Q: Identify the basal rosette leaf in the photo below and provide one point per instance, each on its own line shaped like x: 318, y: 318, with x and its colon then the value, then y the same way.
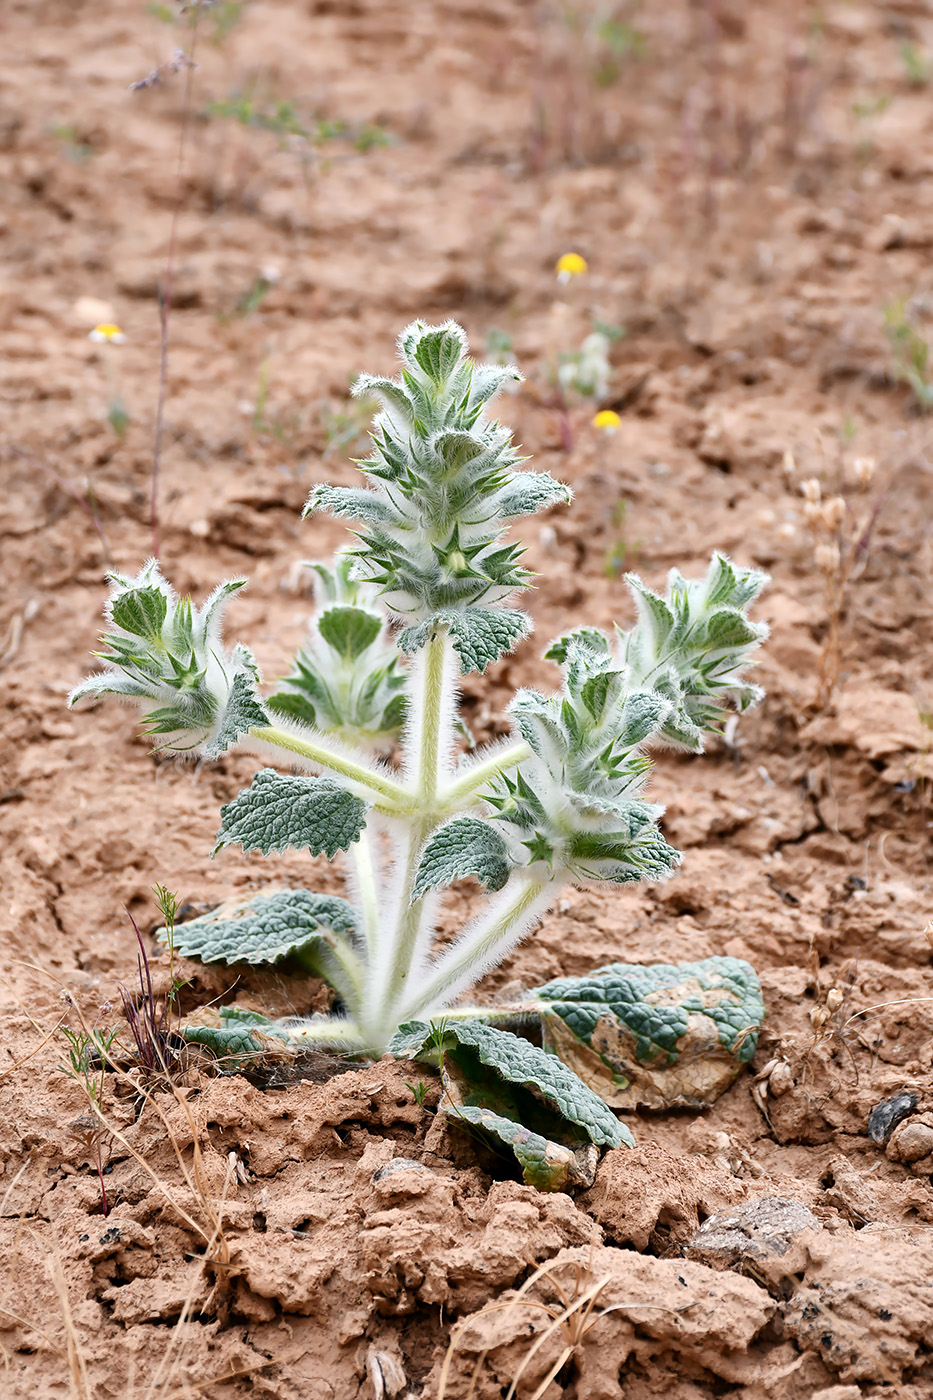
x: 517, y: 1096
x: 168, y: 655
x: 237, y: 1037
x: 511, y: 1064
x: 279, y: 811
x: 264, y: 928
x: 655, y: 1036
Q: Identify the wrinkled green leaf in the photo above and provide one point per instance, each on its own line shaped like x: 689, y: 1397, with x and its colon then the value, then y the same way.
x: 479, y: 635
x: 656, y: 1035
x: 141, y: 611
x: 508, y: 1060
x: 546, y: 1165
x: 465, y: 846
x: 262, y: 928
x: 236, y: 1040
x: 243, y: 709
x: 278, y: 811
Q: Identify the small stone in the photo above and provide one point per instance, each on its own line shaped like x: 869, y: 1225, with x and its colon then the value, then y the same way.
x: 912, y: 1141
x: 754, y: 1231
x: 886, y: 1115
x: 398, y: 1164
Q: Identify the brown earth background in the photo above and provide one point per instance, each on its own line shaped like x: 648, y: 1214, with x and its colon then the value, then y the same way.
x: 750, y: 184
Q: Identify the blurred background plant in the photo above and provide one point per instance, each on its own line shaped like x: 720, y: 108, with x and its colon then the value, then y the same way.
x: 910, y: 349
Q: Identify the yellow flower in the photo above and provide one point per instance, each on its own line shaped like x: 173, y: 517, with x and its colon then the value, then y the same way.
x: 570, y: 265
x: 607, y: 421
x: 108, y: 333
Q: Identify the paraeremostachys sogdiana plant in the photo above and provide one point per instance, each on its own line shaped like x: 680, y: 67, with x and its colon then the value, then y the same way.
x: 561, y: 802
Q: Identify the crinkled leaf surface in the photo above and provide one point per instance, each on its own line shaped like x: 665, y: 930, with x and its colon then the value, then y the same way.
x: 242, y: 711
x: 466, y: 846
x: 657, y: 1035
x: 547, y: 1165
x: 517, y: 1093
x: 478, y: 635
x: 279, y: 810
x: 235, y: 1039
x: 263, y: 928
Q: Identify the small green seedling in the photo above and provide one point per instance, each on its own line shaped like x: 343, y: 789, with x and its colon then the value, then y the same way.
x: 90, y: 1051
x: 425, y: 595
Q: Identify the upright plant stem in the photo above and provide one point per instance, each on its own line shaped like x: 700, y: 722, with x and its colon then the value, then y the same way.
x: 384, y: 790
x: 481, y: 945
x: 367, y: 890
x: 432, y: 741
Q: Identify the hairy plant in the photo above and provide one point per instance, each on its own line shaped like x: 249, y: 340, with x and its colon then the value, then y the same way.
x: 561, y: 802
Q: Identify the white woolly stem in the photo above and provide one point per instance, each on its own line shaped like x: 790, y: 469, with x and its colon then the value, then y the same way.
x: 363, y: 879
x: 328, y: 1033
x: 469, y: 783
x: 321, y: 751
x: 482, y: 945
x: 407, y: 928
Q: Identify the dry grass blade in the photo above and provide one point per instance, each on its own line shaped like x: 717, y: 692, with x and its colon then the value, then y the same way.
x: 575, y: 1317
x: 78, y: 1381
x: 24, y: 1059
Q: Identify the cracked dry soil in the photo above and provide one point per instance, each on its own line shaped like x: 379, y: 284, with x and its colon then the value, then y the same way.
x: 750, y: 188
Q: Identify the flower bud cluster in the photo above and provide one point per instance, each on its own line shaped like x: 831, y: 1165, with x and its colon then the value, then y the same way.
x: 162, y: 650
x: 443, y: 487
x: 349, y: 680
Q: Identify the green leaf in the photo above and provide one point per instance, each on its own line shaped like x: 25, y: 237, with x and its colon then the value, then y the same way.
x: 622, y: 857
x: 478, y: 635
x: 465, y: 846
x: 263, y: 928
x: 354, y: 502
x: 657, y: 1035
x: 529, y: 492
x: 350, y: 631
x: 239, y: 1037
x: 642, y: 713
x: 546, y: 1165
x: 589, y: 637
x: 243, y: 709
x: 652, y: 611
x: 436, y: 349
x: 728, y: 628
x: 141, y: 611
x: 488, y: 380
x: 293, y: 705
x: 727, y: 584
x: 497, y: 1059
x: 279, y: 811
